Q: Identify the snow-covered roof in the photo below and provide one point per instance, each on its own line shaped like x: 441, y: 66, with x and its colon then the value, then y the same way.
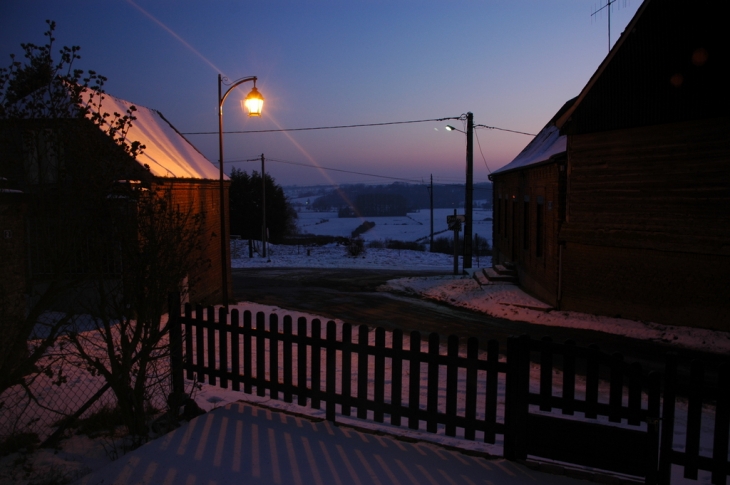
x: 168, y: 154
x: 547, y: 143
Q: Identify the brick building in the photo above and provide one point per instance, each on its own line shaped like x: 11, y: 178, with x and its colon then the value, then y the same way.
x: 645, y: 230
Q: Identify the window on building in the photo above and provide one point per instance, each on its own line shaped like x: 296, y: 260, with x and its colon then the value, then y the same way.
x: 497, y: 216
x: 526, y: 223
x: 41, y: 150
x: 539, y: 227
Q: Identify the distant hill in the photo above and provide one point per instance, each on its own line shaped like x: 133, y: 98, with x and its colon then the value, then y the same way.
x: 327, y: 198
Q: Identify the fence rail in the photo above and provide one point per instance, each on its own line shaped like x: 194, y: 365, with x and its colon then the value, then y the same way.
x: 610, y: 420
x: 346, y: 369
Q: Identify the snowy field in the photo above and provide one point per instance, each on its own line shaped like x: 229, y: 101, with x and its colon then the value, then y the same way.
x: 414, y: 227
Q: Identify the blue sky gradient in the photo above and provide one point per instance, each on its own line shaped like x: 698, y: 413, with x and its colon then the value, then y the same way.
x: 325, y: 62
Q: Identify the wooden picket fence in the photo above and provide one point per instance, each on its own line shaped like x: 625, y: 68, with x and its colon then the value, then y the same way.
x: 386, y: 377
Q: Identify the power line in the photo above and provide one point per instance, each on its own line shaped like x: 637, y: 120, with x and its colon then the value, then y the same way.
x: 306, y: 165
x: 331, y: 169
x: 480, y: 151
x: 504, y: 129
x: 324, y: 127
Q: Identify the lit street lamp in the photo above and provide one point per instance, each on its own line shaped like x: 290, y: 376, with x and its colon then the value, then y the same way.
x: 469, y: 201
x: 254, y: 103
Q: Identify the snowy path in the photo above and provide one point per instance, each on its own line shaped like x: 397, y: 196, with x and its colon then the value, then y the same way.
x: 241, y: 443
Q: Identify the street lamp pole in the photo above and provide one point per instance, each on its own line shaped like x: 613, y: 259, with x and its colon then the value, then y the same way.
x: 469, y: 199
x: 469, y: 202
x: 253, y: 102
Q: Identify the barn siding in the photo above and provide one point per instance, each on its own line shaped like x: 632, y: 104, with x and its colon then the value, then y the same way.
x: 670, y: 288
x: 513, y: 193
x: 203, y: 197
x: 648, y: 224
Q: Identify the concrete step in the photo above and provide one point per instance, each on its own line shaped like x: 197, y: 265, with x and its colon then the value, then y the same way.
x: 493, y: 276
x: 505, y: 270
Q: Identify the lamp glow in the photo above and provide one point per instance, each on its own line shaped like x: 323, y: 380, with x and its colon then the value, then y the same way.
x: 253, y: 103
x: 450, y: 128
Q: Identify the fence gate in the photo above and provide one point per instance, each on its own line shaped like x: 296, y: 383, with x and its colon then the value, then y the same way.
x: 553, y: 422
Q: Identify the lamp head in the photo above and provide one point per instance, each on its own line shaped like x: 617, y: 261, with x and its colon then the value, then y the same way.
x: 450, y: 128
x: 254, y: 102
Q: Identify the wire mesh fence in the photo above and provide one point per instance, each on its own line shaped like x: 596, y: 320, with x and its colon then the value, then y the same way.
x: 64, y: 388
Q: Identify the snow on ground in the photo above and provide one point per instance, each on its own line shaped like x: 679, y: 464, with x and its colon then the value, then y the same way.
x: 415, y: 226
x: 80, y: 454
x: 499, y: 300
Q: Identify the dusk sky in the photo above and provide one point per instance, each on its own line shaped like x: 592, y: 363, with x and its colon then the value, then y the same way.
x: 325, y: 63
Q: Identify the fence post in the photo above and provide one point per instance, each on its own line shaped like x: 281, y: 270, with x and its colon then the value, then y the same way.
x: 652, y: 423
x: 667, y: 431
x: 516, y: 404
x: 177, y: 396
x: 722, y: 421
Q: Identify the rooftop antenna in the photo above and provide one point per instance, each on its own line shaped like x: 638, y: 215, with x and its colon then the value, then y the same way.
x: 607, y: 6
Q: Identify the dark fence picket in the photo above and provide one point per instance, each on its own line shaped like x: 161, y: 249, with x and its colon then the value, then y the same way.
x: 189, y: 341
x: 273, y: 338
x: 260, y: 354
x: 452, y: 376
x: 346, y: 369
x: 546, y: 374
x: 316, y: 363
x: 235, y: 334
x: 615, y: 393
x: 223, y: 331
x: 720, y: 465
x: 247, y: 353
x: 286, y: 338
x: 396, y: 368
x: 414, y: 379
x: 379, y: 377
x: 362, y: 371
x: 569, y: 378
x: 176, y: 352
x: 432, y: 385
x: 592, y: 368
x: 634, y: 404
x: 668, y: 414
x: 472, y: 371
x: 199, y: 344
x: 331, y: 370
x: 694, y: 420
x: 210, y: 326
x: 302, y: 361
x: 492, y: 391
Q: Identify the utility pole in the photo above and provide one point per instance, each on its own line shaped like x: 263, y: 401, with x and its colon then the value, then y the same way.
x: 263, y: 208
x: 469, y: 202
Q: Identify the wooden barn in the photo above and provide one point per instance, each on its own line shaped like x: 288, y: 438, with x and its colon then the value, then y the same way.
x: 529, y: 207
x: 82, y: 159
x: 642, y: 227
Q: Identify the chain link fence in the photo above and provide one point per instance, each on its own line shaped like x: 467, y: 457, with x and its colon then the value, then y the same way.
x: 64, y: 388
